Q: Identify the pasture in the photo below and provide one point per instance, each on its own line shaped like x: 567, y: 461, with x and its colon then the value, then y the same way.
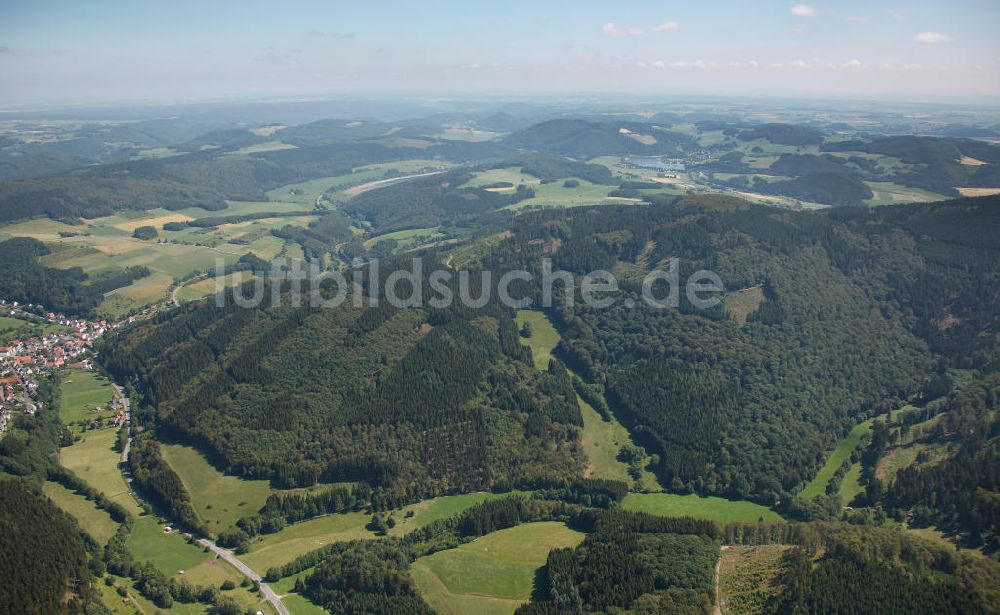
x: 170, y: 553
x: 544, y: 336
x: 699, y: 507
x: 82, y: 391
x: 305, y: 536
x: 94, y: 521
x: 428, y: 511
x: 817, y: 486
x: 492, y: 574
x: 139, y: 293
x: 93, y: 459
x: 556, y: 195
x: 218, y: 499
x: 601, y: 439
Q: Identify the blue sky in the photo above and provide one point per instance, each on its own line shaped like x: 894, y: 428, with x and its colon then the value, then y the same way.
x: 57, y: 51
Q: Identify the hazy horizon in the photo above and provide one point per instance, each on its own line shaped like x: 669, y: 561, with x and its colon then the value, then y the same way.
x: 58, y: 53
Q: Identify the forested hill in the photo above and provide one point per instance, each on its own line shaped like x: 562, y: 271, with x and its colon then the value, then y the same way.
x: 829, y: 318
x: 416, y: 402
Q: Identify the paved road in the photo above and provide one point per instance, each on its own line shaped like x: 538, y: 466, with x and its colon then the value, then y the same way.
x: 128, y: 413
x: 356, y: 190
x: 265, y: 589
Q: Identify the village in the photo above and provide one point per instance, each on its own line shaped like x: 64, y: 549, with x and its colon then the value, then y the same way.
x: 65, y: 342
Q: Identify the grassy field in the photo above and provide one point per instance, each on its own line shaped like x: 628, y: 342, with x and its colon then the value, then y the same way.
x: 82, y: 391
x: 300, y: 605
x: 92, y: 519
x: 93, y: 459
x: 850, y: 485
x: 18, y: 329
x: 817, y: 486
x: 300, y: 538
x: 601, y: 439
x: 692, y: 505
x: 555, y: 195
x: 219, y: 500
x: 493, y: 574
x: 428, y: 511
x: 886, y: 193
x: 142, y: 292
x: 170, y: 553
x: 407, y: 238
x: 544, y: 336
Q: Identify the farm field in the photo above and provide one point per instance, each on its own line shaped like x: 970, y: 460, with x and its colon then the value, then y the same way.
x: 408, y: 237
x: 693, y: 505
x: 140, y: 293
x: 92, y: 519
x: 218, y: 499
x: 83, y: 390
x: 93, y: 459
x: 493, y: 574
x: 505, y: 174
x: 300, y: 538
x: 817, y: 486
x: 555, y: 195
x: 887, y: 193
x: 205, y: 287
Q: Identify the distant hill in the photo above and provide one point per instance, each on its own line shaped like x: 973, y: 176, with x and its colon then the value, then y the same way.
x: 583, y: 139
x: 783, y: 134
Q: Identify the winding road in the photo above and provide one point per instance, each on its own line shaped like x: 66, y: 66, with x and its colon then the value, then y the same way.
x: 265, y: 589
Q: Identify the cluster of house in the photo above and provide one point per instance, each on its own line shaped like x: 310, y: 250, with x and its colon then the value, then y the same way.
x: 24, y: 361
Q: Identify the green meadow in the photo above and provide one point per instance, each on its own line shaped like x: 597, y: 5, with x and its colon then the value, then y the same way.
x: 169, y: 552
x: 494, y: 573
x: 94, y: 459
x: 699, y: 507
x: 428, y: 511
x: 92, y: 519
x: 601, y: 439
x: 218, y: 499
x: 82, y: 391
x: 305, y: 536
x: 817, y: 486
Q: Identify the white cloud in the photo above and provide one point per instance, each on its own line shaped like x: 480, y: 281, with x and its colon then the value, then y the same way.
x: 659, y: 64
x: 613, y: 29
x: 798, y: 64
x: 856, y: 19
x: 895, y: 14
x: 666, y: 26
x: 855, y: 63
x: 932, y: 38
x: 803, y: 10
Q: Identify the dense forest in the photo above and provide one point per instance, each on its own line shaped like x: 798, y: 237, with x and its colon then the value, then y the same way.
x: 41, y: 555
x: 416, y: 402
x: 71, y: 291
